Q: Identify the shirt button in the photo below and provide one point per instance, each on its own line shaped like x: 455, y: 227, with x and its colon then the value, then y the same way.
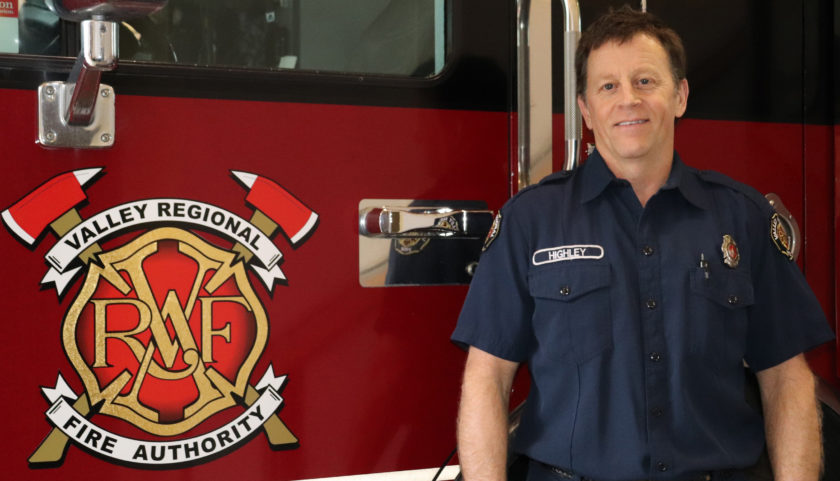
x: 647, y: 250
x: 651, y: 304
x: 657, y: 412
x: 662, y: 466
x: 733, y: 300
x: 655, y: 357
x: 565, y: 290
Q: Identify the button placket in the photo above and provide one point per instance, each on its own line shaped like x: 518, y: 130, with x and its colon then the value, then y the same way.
x: 653, y: 329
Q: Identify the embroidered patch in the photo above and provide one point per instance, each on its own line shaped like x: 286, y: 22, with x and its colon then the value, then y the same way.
x: 567, y: 253
x: 493, y: 232
x: 731, y: 256
x: 780, y: 232
x: 449, y: 223
x: 410, y: 245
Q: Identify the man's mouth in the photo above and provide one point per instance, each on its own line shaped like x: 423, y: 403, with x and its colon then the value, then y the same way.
x: 631, y: 122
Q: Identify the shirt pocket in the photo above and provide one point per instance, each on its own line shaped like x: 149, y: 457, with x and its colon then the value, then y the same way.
x: 571, y: 311
x: 719, y: 314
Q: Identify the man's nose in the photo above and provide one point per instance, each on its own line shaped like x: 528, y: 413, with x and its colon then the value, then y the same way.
x: 629, y: 96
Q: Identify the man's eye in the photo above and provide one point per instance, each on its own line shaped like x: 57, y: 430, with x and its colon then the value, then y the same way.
x: 644, y: 81
x: 608, y: 86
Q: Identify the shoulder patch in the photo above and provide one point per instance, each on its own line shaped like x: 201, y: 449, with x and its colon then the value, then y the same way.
x: 780, y: 233
x: 493, y: 232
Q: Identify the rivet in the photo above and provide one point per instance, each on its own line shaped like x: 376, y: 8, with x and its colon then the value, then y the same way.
x: 51, y: 136
x: 471, y: 268
x: 105, y: 92
x: 105, y: 138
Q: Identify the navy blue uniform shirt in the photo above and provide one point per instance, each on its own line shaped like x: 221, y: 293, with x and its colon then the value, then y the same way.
x: 634, y: 347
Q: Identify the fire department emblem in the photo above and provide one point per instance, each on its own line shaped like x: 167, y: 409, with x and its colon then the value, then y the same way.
x: 493, y: 232
x: 410, y: 245
x: 166, y: 329
x: 731, y: 256
x: 780, y: 233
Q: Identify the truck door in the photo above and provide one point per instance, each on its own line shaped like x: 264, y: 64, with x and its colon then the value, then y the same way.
x: 186, y: 288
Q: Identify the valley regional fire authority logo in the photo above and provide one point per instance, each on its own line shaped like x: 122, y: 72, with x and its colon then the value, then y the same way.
x: 166, y: 329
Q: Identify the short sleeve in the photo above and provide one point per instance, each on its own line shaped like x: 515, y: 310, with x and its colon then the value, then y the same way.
x: 787, y: 319
x: 496, y: 316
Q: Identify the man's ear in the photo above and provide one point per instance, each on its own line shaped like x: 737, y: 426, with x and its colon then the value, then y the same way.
x: 682, y: 97
x: 584, y: 110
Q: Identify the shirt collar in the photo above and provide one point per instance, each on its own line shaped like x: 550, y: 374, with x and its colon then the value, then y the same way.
x: 596, y: 176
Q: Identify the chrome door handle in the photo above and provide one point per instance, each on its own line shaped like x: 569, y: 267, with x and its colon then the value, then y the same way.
x: 419, y: 221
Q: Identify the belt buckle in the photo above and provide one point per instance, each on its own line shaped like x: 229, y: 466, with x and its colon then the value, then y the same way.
x: 561, y: 472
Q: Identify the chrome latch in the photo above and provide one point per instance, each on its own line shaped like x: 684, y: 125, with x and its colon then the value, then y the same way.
x: 79, y: 113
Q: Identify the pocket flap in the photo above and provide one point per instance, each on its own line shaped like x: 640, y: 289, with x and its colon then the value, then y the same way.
x: 729, y: 289
x: 568, y: 282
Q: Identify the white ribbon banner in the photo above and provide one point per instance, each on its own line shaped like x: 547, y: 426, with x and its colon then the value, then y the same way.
x: 164, y: 453
x: 161, y: 211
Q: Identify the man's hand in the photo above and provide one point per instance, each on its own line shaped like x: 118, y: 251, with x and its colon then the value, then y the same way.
x: 483, y: 416
x: 791, y: 420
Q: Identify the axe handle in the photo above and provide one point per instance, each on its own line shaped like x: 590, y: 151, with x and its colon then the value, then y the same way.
x: 265, y: 225
x: 65, y: 224
x: 53, y: 448
x: 278, y: 434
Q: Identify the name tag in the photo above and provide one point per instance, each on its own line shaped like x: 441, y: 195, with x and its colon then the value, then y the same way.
x: 567, y: 253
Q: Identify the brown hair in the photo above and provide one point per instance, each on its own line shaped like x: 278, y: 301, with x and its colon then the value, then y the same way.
x: 621, y: 26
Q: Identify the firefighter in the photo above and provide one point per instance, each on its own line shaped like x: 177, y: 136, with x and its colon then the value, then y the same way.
x: 636, y: 288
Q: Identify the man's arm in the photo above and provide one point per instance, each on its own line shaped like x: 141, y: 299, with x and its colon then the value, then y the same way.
x: 791, y: 420
x: 483, y: 416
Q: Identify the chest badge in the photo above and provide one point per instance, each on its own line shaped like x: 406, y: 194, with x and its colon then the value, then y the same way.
x: 731, y: 256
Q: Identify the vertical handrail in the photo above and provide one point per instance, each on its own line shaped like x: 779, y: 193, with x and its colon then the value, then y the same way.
x: 571, y: 112
x: 523, y: 92
x: 573, y: 133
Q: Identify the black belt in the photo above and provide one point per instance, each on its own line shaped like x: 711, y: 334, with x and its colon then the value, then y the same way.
x: 562, y: 473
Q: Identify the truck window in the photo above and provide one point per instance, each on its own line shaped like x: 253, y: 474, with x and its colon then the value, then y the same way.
x: 392, y: 37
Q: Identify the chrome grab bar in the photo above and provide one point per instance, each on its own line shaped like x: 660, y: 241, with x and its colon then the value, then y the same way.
x: 79, y: 113
x: 99, y: 46
x: 419, y: 221
x: 571, y: 112
x: 525, y: 89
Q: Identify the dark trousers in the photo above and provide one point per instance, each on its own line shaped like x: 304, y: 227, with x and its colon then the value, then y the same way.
x: 538, y: 471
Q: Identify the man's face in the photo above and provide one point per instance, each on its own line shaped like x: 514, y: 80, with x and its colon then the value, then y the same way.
x: 631, y: 100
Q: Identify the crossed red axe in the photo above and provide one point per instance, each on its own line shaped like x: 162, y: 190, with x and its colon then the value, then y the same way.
x: 53, y: 204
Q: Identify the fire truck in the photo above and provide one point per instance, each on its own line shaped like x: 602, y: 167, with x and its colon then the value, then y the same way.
x: 237, y: 234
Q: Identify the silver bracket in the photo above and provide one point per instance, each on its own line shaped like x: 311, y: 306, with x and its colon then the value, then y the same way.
x: 79, y: 113
x: 55, y: 131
